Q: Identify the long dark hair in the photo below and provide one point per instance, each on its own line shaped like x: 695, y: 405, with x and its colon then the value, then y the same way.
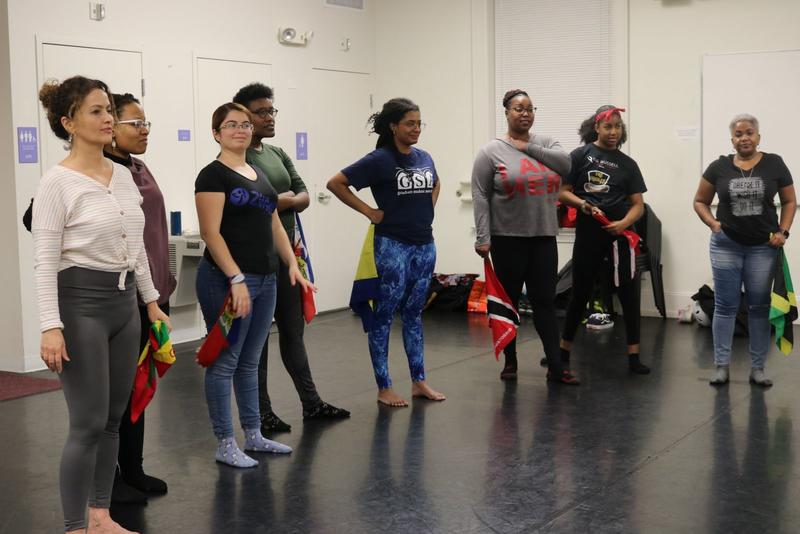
x: 392, y: 112
x: 588, y: 134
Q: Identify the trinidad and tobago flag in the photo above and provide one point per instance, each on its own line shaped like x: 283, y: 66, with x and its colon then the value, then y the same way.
x: 304, y: 263
x: 503, y: 316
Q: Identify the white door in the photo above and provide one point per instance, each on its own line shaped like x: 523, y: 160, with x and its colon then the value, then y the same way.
x: 120, y: 69
x: 216, y: 81
x: 341, y: 106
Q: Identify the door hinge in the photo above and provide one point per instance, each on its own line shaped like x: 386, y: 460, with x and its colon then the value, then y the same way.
x: 142, y: 87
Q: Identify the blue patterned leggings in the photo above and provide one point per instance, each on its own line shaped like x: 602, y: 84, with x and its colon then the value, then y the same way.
x: 405, y: 274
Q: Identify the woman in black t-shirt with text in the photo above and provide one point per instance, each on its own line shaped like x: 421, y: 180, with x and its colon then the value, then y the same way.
x: 236, y: 207
x: 603, y: 180
x: 745, y: 236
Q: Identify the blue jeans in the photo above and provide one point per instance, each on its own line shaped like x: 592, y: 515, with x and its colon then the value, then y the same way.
x: 405, y: 274
x: 238, y: 364
x: 733, y: 264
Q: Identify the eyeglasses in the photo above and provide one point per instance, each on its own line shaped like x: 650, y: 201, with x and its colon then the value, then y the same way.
x: 414, y: 124
x: 233, y: 125
x: 520, y: 111
x: 265, y: 112
x: 139, y: 124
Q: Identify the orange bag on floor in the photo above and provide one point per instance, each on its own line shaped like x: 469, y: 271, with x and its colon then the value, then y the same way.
x: 477, y: 297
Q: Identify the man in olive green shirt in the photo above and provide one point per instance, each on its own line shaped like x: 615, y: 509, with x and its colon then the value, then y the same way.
x: 292, y: 198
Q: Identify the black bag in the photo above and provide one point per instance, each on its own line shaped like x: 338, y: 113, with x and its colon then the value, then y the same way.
x: 27, y: 218
x: 705, y: 297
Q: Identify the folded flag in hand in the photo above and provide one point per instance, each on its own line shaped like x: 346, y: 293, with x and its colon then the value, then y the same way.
x: 366, y: 284
x: 156, y: 358
x: 222, y: 335
x: 503, y: 316
x: 783, y: 308
x: 304, y: 263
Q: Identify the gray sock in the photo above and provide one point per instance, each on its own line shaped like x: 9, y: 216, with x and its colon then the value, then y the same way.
x: 228, y: 452
x: 254, y: 441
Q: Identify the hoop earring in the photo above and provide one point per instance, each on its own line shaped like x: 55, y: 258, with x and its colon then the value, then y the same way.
x: 68, y: 144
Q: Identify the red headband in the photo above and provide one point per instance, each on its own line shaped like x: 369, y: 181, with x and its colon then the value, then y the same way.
x: 605, y: 115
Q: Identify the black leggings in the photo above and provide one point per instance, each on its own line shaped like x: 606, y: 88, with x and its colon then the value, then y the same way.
x: 534, y: 262
x: 592, y: 245
x: 101, y: 327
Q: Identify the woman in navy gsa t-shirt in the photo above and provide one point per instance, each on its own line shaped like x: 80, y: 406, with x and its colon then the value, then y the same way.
x: 405, y: 186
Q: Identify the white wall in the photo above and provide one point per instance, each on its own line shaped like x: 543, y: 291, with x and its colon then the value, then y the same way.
x: 168, y: 34
x: 10, y: 323
x: 439, y: 54
x: 667, y: 41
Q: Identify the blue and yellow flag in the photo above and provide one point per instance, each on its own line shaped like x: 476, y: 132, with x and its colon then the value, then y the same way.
x: 783, y: 308
x: 366, y: 284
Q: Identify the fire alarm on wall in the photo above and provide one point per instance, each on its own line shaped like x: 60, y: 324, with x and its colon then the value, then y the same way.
x: 290, y: 36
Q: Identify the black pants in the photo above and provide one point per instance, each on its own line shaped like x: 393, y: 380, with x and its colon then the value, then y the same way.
x: 534, y: 262
x: 290, y: 323
x: 592, y: 246
x: 131, y: 435
x: 100, y: 330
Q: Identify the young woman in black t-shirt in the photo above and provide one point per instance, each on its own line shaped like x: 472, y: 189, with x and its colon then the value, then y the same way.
x: 745, y: 236
x: 602, y: 180
x: 236, y: 207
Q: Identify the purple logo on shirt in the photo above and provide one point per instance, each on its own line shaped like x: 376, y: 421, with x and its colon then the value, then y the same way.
x: 239, y: 196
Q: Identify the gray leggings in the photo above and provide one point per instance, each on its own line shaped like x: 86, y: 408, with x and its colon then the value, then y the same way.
x: 101, y: 330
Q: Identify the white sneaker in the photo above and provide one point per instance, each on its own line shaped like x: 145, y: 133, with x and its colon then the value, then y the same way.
x: 599, y: 321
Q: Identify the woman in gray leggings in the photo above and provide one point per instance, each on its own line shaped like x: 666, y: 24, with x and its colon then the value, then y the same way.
x: 90, y: 260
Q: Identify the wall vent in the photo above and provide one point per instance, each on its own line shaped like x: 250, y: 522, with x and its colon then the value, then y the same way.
x: 351, y: 4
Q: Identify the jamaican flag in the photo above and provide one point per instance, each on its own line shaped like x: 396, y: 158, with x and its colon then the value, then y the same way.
x: 783, y: 309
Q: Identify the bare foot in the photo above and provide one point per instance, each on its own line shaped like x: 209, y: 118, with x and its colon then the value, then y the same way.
x: 100, y: 522
x: 388, y: 397
x: 422, y: 389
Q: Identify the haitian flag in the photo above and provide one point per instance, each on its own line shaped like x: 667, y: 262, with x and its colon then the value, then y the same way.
x: 503, y: 317
x: 783, y: 306
x: 304, y: 263
x: 222, y: 335
x: 156, y: 358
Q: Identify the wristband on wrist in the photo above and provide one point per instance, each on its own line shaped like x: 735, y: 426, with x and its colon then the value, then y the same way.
x: 236, y: 279
x: 784, y: 232
x: 583, y: 206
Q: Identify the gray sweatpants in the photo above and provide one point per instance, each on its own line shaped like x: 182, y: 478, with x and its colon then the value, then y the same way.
x: 101, y: 331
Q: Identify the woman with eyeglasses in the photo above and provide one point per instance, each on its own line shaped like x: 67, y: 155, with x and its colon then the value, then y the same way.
x: 292, y: 198
x: 603, y: 181
x: 131, y: 131
x: 90, y: 261
x: 746, y: 234
x: 515, y: 184
x: 405, y: 185
x: 236, y: 207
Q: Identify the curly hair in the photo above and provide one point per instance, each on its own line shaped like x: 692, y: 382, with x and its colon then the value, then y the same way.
x: 392, y: 112
x: 251, y: 92
x: 588, y: 134
x: 63, y: 99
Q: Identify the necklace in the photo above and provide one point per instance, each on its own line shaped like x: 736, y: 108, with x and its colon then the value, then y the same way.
x: 741, y: 171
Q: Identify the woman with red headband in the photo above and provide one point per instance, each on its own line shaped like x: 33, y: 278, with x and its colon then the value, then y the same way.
x: 603, y: 181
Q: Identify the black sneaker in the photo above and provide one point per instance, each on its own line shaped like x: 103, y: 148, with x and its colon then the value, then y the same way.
x: 122, y: 493
x: 273, y: 423
x: 323, y: 410
x: 147, y: 484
